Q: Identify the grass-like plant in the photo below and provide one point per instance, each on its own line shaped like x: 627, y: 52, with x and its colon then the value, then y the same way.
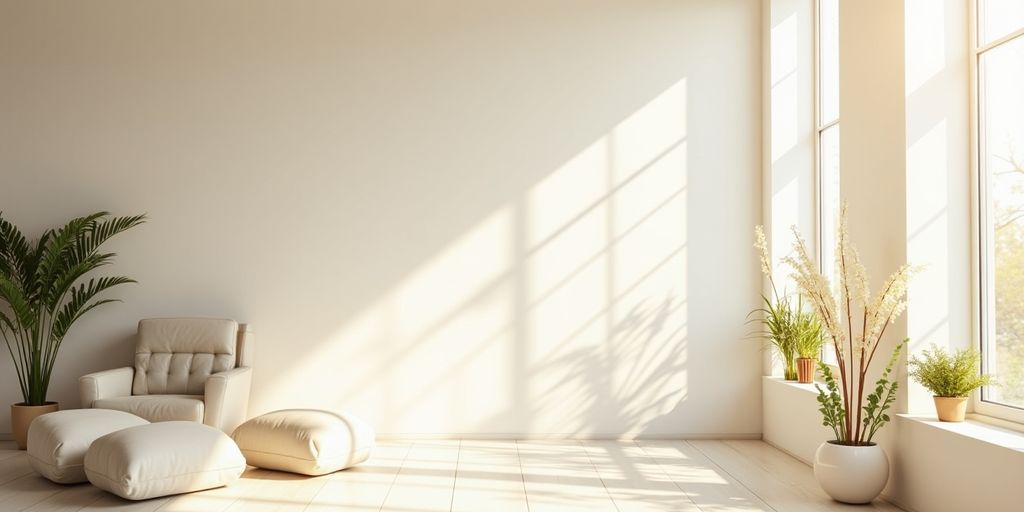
x: 948, y: 375
x: 807, y: 333
x: 39, y: 282
x: 777, y: 319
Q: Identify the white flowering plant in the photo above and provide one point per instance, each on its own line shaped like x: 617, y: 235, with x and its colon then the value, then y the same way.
x: 855, y: 323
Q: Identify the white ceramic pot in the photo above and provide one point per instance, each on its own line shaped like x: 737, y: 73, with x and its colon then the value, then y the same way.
x: 851, y: 474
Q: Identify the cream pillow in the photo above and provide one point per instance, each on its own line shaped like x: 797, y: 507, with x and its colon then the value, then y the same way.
x: 306, y: 441
x: 165, y: 458
x: 57, y: 441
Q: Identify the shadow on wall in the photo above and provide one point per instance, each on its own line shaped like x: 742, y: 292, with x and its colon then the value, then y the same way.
x: 563, y: 312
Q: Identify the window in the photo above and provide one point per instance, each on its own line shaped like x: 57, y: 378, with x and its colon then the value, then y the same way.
x: 999, y: 142
x: 827, y: 49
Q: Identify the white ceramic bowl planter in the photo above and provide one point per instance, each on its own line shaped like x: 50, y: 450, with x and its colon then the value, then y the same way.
x: 851, y: 474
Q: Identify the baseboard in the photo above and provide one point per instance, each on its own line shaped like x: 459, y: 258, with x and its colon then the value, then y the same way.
x: 477, y: 436
x: 787, y: 452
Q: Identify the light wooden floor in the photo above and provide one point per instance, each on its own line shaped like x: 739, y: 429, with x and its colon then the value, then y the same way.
x: 485, y: 476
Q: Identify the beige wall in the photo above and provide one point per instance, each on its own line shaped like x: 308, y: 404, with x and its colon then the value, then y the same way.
x: 485, y: 217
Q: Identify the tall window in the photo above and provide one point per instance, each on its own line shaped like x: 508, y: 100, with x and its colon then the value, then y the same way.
x: 827, y: 49
x: 999, y: 107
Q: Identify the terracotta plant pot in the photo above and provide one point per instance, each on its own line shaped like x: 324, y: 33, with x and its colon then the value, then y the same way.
x: 951, y: 408
x: 22, y: 416
x: 851, y: 474
x: 805, y: 367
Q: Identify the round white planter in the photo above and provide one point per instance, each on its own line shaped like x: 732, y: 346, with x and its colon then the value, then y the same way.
x: 851, y: 474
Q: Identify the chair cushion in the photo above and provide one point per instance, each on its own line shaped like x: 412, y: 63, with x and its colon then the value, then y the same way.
x: 157, y: 407
x: 163, y: 458
x: 57, y: 441
x: 306, y: 441
x: 176, y: 355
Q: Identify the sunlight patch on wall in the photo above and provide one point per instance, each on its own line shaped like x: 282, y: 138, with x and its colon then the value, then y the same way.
x: 611, y: 334
x: 925, y: 41
x: 563, y: 312
x: 785, y: 86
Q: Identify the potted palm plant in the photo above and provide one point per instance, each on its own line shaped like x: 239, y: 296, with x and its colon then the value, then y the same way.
x: 42, y: 284
x: 950, y: 378
x: 852, y: 468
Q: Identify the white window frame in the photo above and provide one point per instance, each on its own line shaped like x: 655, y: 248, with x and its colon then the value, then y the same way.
x: 819, y: 185
x: 982, y: 259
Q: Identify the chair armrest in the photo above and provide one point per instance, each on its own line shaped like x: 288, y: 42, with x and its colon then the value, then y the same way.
x: 105, y: 384
x: 227, y: 399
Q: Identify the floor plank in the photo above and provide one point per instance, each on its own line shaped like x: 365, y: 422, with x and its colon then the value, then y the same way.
x: 635, y: 481
x: 559, y: 476
x: 364, y: 487
x: 26, y: 491
x: 707, y: 485
x: 426, y: 480
x: 489, y: 477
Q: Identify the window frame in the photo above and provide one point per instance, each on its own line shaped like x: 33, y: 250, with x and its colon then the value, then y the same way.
x: 819, y: 186
x: 983, y: 260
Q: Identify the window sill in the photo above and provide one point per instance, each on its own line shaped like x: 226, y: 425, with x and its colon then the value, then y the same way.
x: 974, y: 428
x: 794, y: 384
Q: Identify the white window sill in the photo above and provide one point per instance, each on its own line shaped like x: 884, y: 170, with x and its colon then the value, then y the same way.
x: 974, y: 428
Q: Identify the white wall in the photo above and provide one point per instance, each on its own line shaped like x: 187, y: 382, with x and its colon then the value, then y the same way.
x: 525, y: 217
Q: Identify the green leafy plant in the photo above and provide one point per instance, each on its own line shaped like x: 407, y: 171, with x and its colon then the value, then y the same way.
x: 39, y: 282
x: 948, y: 375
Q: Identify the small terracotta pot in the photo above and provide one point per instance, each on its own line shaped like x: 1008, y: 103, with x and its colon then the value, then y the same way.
x: 951, y: 408
x: 22, y: 416
x: 805, y: 367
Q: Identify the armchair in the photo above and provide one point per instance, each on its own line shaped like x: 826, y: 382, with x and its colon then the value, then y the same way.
x: 192, y: 369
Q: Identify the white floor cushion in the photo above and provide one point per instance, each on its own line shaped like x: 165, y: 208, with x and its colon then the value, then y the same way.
x: 57, y: 441
x: 163, y: 458
x: 305, y: 441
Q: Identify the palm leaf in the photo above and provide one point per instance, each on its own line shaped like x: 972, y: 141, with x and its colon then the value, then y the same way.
x: 76, y: 305
x: 69, y: 275
x: 61, y: 245
x: 96, y: 233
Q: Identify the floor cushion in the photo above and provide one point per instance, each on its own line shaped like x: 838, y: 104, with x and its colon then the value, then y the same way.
x: 157, y: 407
x: 165, y: 458
x: 306, y: 441
x: 57, y: 441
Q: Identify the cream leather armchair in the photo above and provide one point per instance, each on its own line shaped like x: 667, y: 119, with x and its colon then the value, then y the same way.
x: 192, y: 369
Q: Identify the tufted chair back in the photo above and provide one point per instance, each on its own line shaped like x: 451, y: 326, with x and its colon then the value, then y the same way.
x: 177, y: 355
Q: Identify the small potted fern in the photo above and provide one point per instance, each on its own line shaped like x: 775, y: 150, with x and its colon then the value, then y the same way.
x: 950, y: 378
